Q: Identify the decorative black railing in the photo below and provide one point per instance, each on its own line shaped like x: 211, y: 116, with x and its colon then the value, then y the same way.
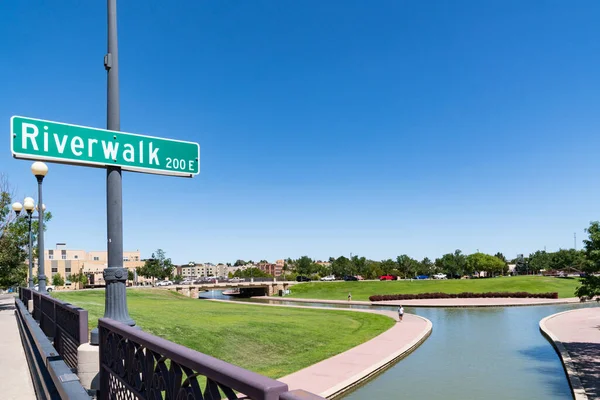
x: 65, y: 324
x: 24, y: 295
x: 137, y: 365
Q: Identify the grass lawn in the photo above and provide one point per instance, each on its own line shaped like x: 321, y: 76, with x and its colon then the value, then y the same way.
x: 273, y: 341
x: 362, y: 290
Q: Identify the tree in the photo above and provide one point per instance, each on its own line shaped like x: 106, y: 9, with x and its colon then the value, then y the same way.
x: 590, y: 284
x: 178, y: 278
x: 374, y: 270
x: 359, y: 266
x: 304, y: 265
x: 491, y: 265
x: 341, y: 267
x: 14, y: 238
x: 251, y: 273
x: 426, y: 267
x: 538, y: 261
x: 452, y: 264
x: 79, y: 278
x: 158, y: 266
x: 57, y: 280
x: 130, y: 275
x: 406, y: 265
x: 239, y: 263
x: 388, y: 267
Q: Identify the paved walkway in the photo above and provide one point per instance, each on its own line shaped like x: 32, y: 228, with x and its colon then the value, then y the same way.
x: 343, y: 371
x: 576, y: 336
x: 15, y: 381
x: 482, y: 302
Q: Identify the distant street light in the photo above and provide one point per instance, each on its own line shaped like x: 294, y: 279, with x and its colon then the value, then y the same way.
x: 39, y: 170
x: 28, y: 205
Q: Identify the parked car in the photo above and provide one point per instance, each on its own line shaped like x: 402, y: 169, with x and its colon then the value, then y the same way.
x: 440, y: 276
x: 301, y: 278
x: 387, y: 278
x: 328, y: 278
x: 187, y: 282
x: 350, y: 278
x: 164, y: 283
x: 423, y: 277
x: 49, y: 288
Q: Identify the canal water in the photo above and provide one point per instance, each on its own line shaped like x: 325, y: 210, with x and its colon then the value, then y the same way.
x: 472, y: 353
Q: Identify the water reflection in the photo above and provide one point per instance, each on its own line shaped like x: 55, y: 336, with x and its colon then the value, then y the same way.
x: 472, y: 353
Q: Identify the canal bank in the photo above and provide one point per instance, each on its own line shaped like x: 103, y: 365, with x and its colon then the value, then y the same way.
x: 487, y: 352
x: 575, y: 335
x: 337, y: 375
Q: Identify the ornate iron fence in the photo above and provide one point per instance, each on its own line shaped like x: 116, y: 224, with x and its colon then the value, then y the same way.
x: 137, y: 365
x: 65, y: 324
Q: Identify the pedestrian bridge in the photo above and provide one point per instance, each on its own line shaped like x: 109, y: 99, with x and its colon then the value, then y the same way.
x: 252, y: 288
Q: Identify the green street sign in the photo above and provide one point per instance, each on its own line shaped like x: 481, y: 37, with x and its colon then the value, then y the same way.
x: 36, y: 139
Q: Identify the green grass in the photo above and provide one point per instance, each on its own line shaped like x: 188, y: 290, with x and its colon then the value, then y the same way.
x: 273, y: 341
x: 362, y: 290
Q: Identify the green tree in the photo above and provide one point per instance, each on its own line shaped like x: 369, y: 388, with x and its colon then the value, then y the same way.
x: 359, y: 266
x: 79, y: 278
x: 57, y: 280
x: 304, y: 265
x: 538, y: 261
x: 426, y: 267
x: 491, y: 265
x: 388, y: 267
x: 341, y: 267
x: 158, y: 266
x: 239, y: 263
x: 590, y: 284
x: 130, y: 275
x: 406, y: 265
x: 374, y: 270
x: 452, y: 264
x: 251, y: 273
x: 14, y: 238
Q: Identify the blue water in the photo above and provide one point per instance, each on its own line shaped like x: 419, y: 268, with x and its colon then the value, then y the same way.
x: 472, y: 353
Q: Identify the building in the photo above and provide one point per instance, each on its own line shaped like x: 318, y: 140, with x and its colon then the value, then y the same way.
x: 271, y: 269
x: 205, y: 270
x: 66, y: 262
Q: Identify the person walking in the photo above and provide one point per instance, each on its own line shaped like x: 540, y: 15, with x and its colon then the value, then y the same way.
x: 400, y: 313
x: 349, y: 296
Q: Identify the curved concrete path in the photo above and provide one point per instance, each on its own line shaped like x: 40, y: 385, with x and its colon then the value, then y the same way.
x: 342, y: 372
x: 576, y: 337
x: 480, y: 302
x: 15, y: 383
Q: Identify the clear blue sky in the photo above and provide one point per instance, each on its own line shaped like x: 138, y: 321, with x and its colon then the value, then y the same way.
x: 326, y: 127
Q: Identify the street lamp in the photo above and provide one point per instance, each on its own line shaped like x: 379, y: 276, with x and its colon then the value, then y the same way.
x: 39, y: 170
x: 29, y: 205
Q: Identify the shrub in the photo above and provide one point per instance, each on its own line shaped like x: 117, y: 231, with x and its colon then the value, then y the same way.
x: 464, y: 295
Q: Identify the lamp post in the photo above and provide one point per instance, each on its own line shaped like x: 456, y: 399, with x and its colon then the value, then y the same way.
x: 39, y: 170
x: 28, y: 205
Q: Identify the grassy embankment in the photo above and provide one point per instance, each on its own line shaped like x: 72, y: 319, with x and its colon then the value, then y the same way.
x: 274, y: 341
x: 362, y: 290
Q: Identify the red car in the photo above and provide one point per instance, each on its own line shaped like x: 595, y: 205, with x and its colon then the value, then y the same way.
x: 387, y: 278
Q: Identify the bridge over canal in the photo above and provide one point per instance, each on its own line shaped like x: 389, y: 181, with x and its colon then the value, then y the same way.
x: 264, y: 288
